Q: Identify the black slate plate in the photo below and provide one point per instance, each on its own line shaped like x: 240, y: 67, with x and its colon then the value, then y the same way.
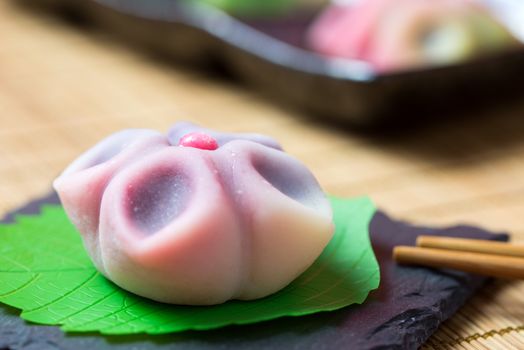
x: 268, y: 56
x: 407, y: 308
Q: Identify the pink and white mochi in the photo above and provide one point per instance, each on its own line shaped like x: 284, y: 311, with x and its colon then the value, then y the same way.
x: 193, y: 218
x: 404, y: 34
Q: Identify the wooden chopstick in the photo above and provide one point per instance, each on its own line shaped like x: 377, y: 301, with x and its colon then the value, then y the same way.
x: 471, y: 245
x: 488, y: 258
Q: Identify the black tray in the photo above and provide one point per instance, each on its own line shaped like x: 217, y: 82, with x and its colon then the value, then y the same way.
x: 268, y: 56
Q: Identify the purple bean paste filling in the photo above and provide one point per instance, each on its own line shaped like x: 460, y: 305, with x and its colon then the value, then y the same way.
x: 290, y: 181
x: 158, y: 200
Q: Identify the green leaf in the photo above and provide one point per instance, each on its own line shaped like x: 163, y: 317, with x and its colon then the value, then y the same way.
x: 45, y: 271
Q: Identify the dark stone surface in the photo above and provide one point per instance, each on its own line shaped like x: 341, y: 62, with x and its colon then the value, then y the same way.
x: 407, y: 308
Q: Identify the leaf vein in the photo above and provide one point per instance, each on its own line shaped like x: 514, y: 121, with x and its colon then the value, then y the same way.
x: 64, y: 319
x: 87, y: 280
x: 111, y: 314
x: 87, y: 268
x: 134, y: 318
x: 23, y: 286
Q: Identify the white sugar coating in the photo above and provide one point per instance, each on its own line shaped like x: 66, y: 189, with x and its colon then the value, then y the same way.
x: 108, y: 148
x: 159, y: 200
x: 188, y: 226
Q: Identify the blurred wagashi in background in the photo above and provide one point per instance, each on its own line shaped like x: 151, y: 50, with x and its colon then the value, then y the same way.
x: 403, y: 34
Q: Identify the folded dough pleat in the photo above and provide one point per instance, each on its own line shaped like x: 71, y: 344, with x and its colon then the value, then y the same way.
x: 285, y: 213
x: 166, y: 222
x: 81, y: 186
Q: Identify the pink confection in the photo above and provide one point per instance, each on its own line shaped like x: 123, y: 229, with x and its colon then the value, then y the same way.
x: 422, y: 32
x: 400, y: 34
x: 347, y: 30
x: 185, y: 225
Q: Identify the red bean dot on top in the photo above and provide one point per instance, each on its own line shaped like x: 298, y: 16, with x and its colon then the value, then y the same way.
x: 198, y: 140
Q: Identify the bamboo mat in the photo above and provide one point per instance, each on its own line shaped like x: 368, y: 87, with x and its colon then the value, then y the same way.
x: 62, y: 90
